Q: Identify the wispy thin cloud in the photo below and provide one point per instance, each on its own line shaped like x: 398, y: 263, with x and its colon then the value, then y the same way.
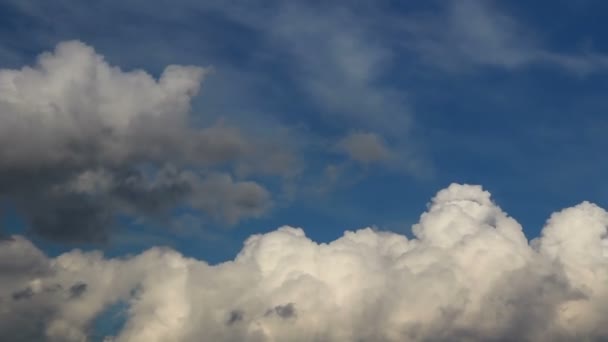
x: 475, y: 33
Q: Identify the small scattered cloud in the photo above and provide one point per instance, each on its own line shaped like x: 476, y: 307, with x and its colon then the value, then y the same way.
x: 364, y: 148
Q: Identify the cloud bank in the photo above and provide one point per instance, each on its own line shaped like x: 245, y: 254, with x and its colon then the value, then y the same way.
x: 469, y: 275
x: 82, y: 141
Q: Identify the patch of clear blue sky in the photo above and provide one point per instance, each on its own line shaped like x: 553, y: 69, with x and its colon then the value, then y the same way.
x: 534, y: 135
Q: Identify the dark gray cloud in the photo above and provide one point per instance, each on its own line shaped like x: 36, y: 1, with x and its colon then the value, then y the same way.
x: 235, y: 316
x: 285, y: 311
x: 78, y: 290
x: 23, y: 294
x: 82, y: 142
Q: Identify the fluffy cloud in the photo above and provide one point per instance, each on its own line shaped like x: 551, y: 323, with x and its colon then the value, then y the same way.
x: 74, y: 108
x: 469, y: 274
x: 81, y: 141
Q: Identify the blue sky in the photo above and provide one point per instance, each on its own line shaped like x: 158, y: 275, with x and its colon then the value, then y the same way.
x: 509, y: 95
x: 220, y: 128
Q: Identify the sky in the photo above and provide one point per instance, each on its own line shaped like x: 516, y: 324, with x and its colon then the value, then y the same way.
x: 303, y: 164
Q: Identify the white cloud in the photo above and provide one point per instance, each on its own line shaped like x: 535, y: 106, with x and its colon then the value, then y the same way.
x: 470, y: 274
x: 73, y: 108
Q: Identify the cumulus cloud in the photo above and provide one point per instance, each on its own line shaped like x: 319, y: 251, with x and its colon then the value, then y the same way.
x: 469, y: 274
x: 82, y: 140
